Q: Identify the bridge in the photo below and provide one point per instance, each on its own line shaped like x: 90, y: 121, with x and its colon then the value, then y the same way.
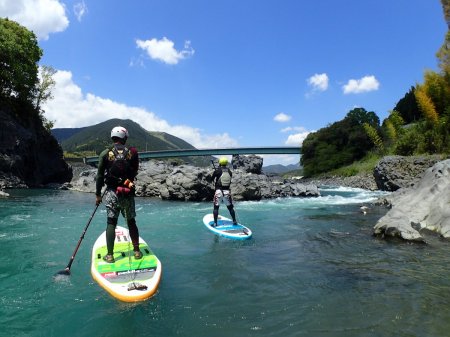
x: 146, y: 155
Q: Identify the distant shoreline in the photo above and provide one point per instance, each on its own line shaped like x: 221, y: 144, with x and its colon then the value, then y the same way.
x: 365, y: 181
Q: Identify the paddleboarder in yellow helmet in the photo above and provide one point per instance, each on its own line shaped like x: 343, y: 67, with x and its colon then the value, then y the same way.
x: 222, y: 194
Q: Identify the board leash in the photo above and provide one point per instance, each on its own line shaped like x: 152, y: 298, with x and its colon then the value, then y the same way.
x: 133, y: 285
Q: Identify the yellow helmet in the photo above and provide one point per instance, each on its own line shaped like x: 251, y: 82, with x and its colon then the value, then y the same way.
x: 223, y: 161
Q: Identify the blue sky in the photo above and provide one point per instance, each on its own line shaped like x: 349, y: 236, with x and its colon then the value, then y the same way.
x: 230, y: 73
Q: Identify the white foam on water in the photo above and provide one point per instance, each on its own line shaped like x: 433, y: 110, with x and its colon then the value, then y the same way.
x: 329, y: 196
x: 62, y: 278
x: 20, y: 217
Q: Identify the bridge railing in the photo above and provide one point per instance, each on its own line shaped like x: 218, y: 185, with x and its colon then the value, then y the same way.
x: 146, y: 155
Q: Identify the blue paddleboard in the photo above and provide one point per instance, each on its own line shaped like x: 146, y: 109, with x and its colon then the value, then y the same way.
x: 226, y: 228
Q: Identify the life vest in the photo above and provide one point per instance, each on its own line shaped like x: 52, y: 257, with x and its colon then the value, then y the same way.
x: 118, y: 165
x: 225, y: 179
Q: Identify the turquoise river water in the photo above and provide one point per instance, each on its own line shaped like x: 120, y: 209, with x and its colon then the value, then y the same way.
x: 311, y: 269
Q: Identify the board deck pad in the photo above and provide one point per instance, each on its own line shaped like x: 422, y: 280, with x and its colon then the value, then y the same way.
x: 127, y: 279
x: 226, y: 228
x: 124, y: 262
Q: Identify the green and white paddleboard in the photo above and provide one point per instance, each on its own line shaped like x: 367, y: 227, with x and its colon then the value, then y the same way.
x: 127, y: 279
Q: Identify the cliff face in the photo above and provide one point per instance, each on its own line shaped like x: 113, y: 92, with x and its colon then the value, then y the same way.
x: 29, y: 155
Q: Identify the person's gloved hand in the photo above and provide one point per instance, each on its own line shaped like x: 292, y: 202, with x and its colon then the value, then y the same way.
x: 128, y: 183
x: 98, y: 200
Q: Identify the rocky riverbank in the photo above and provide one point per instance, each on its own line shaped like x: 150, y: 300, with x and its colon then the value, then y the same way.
x: 420, y: 200
x: 422, y: 206
x: 170, y: 181
x: 390, y: 174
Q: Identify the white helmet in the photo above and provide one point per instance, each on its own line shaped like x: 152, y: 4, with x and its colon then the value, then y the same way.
x: 119, y: 132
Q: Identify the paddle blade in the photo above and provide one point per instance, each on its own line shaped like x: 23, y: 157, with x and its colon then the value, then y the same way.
x: 63, y: 272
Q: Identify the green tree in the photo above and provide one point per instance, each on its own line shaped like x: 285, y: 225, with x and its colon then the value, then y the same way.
x: 392, y: 128
x: 360, y: 116
x: 44, y: 93
x: 19, y: 55
x: 446, y: 8
x: 396, y: 119
x: 437, y: 89
x: 407, y: 107
x: 339, y: 144
x: 408, y: 143
x: 390, y: 131
x: 444, y: 52
x: 44, y: 86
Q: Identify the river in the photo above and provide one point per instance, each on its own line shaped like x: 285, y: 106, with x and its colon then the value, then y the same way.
x: 312, y: 268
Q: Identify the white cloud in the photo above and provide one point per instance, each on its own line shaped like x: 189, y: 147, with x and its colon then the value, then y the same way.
x: 319, y: 82
x: 71, y: 108
x: 43, y: 17
x: 296, y: 139
x: 80, y: 9
x: 365, y: 84
x: 164, y: 50
x: 294, y: 128
x: 282, y: 118
x: 292, y: 140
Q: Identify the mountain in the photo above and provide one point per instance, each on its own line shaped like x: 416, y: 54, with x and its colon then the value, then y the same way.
x: 98, y: 137
x: 64, y: 133
x: 279, y: 169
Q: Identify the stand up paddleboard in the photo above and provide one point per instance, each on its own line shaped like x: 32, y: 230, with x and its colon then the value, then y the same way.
x: 127, y: 279
x: 226, y: 228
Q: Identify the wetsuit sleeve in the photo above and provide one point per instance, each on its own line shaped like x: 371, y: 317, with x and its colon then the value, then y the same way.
x: 100, y: 178
x: 134, y: 162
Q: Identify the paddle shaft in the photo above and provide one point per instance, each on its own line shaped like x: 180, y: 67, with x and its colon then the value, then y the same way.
x: 82, y: 236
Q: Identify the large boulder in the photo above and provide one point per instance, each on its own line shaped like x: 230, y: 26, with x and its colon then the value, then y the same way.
x: 83, y: 179
x: 248, y: 186
x: 394, y: 172
x: 425, y: 205
x: 249, y: 164
x: 187, y: 183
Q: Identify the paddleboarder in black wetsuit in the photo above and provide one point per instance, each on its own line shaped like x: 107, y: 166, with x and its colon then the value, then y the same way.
x: 222, y: 182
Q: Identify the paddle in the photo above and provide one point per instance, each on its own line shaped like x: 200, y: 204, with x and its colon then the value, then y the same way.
x: 67, y: 270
